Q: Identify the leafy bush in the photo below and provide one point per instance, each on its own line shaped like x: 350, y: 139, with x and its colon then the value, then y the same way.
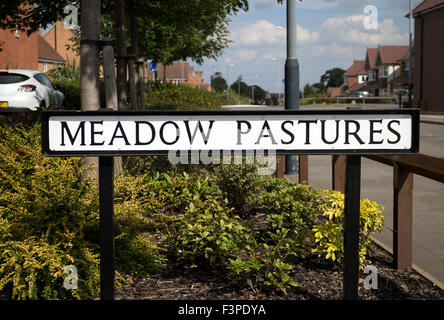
x: 71, y: 90
x: 49, y: 219
x: 290, y: 208
x: 69, y: 70
x: 241, y: 185
x: 46, y: 211
x: 135, y: 254
x: 265, y: 264
x: 206, y: 231
x: 329, y: 236
x: 169, y: 96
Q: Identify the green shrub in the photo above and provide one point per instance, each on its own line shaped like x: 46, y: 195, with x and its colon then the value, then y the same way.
x: 206, y: 232
x: 329, y: 235
x: 46, y: 213
x: 135, y: 254
x: 264, y: 264
x: 241, y: 185
x: 290, y: 206
x: 169, y: 96
x: 71, y: 90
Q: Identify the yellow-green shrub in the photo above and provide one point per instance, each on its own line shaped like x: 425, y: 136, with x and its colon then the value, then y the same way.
x: 329, y: 235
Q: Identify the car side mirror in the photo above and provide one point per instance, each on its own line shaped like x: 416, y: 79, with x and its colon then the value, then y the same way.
x: 59, y: 86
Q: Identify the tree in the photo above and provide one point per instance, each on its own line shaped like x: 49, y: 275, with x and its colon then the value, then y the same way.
x: 31, y: 15
x: 240, y: 87
x: 219, y: 84
x: 257, y: 93
x: 309, y: 91
x: 333, y: 78
x: 179, y: 29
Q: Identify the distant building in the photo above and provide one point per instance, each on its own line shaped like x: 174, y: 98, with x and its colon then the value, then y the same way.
x: 48, y: 58
x: 18, y: 50
x: 180, y: 73
x: 63, y: 39
x: 428, y: 68
x: 355, y: 78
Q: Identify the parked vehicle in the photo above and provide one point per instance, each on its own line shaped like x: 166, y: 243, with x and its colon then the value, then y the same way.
x: 404, y: 93
x: 28, y: 89
x: 360, y: 94
x: 341, y: 95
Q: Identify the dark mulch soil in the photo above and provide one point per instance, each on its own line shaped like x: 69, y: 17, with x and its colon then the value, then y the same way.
x: 317, y: 280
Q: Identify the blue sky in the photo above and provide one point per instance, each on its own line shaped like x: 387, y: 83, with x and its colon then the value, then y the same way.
x: 331, y: 34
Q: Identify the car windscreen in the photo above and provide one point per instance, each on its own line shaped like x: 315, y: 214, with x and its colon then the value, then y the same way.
x: 8, y: 78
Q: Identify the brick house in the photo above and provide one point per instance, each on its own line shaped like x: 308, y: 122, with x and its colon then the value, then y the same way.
x: 181, y: 73
x: 428, y: 69
x: 355, y: 78
x: 374, y: 83
x: 400, y: 77
x: 62, y: 40
x: 18, y: 50
x: 48, y: 58
x: 387, y: 62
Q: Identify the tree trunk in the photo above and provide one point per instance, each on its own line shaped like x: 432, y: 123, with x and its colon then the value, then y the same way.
x: 121, y: 52
x: 89, y: 67
x: 132, y: 83
x: 134, y: 34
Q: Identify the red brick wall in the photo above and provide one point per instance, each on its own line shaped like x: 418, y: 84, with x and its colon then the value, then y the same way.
x: 59, y: 37
x: 18, y: 52
x: 428, y: 71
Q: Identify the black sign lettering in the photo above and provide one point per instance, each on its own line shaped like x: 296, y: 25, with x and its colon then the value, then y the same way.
x: 80, y: 129
x: 239, y: 130
x: 348, y: 133
x: 266, y: 126
x: 93, y: 133
x: 287, y: 132
x: 324, y: 139
x: 307, y: 128
x: 153, y: 133
x: 162, y: 128
x: 205, y: 136
x: 373, y: 131
x: 121, y: 136
x: 396, y: 133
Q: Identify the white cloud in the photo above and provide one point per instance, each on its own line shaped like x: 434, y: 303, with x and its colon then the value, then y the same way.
x: 350, y: 31
x: 262, y: 33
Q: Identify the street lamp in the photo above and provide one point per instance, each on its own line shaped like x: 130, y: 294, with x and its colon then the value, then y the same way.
x: 279, y: 69
x: 291, y: 75
x: 228, y: 89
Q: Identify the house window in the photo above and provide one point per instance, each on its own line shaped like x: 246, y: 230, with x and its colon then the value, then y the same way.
x: 383, y: 71
x: 372, y: 75
x: 45, y: 66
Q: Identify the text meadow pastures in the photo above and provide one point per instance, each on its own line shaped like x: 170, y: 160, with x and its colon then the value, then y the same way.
x: 343, y: 131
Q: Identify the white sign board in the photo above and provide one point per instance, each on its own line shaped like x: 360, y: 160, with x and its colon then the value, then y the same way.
x: 118, y: 133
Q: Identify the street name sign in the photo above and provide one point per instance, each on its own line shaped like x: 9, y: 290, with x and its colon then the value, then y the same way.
x: 109, y: 133
x: 106, y: 133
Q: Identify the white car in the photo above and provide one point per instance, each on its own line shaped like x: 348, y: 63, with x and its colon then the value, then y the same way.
x: 28, y: 89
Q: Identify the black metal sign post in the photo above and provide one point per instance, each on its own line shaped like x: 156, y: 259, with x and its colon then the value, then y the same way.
x: 110, y: 133
x: 106, y: 187
x: 351, y: 226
